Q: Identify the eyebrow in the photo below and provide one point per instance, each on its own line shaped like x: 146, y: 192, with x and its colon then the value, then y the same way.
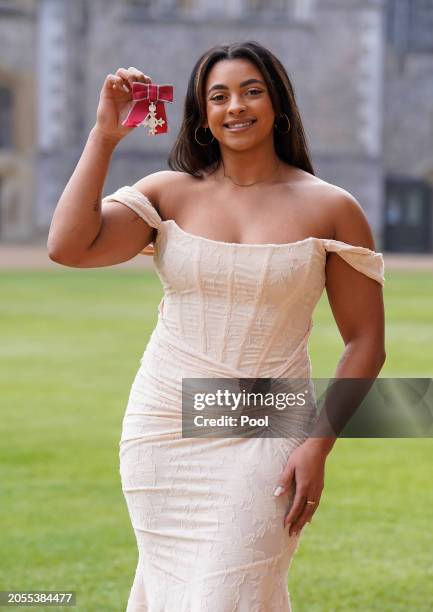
x: 243, y: 84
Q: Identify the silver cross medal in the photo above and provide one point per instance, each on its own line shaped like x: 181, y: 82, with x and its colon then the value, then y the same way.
x: 151, y: 121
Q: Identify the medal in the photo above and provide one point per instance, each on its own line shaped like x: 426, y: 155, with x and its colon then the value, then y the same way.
x: 148, y: 107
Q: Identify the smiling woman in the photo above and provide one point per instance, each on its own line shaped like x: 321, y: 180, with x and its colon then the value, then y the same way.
x: 219, y: 97
x: 241, y: 282
x: 238, y: 107
x: 246, y: 238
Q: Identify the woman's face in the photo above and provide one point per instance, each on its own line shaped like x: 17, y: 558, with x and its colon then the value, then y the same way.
x: 230, y: 99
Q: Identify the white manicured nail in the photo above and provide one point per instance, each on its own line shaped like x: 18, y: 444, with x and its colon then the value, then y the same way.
x: 278, y: 490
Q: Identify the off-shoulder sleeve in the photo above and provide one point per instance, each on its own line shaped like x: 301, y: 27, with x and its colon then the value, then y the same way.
x: 365, y: 260
x: 138, y: 202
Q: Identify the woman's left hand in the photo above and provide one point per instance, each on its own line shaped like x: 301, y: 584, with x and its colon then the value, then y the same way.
x: 307, y: 466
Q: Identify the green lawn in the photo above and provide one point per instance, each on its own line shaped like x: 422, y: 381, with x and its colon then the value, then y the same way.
x: 71, y: 344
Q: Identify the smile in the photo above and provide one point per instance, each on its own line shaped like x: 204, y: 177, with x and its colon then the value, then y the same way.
x: 240, y: 126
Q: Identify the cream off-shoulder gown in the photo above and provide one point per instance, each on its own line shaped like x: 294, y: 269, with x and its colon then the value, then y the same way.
x: 209, y: 530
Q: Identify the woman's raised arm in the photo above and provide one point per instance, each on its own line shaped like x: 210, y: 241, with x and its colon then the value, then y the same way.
x: 77, y: 219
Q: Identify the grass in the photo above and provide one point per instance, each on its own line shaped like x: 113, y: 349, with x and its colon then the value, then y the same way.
x: 71, y: 344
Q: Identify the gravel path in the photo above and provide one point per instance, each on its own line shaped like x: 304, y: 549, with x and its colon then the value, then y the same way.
x: 35, y: 257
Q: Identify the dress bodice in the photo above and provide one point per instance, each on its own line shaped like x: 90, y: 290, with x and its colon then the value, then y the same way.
x: 248, y: 306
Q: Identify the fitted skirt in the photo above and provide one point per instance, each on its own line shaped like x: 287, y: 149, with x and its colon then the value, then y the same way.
x: 208, y: 528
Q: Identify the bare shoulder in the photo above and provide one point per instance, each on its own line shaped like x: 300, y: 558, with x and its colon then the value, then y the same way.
x: 351, y: 223
x: 157, y: 185
x: 349, y: 218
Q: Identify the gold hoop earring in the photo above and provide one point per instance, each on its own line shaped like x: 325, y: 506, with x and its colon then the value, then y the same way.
x: 205, y: 144
x: 288, y: 124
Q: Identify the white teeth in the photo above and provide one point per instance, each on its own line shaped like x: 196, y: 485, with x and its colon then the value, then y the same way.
x: 237, y: 125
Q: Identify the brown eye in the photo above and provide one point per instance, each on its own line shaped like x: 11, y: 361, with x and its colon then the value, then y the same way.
x: 253, y: 91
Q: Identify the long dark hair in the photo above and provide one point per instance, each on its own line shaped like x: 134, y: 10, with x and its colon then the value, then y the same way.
x: 187, y: 155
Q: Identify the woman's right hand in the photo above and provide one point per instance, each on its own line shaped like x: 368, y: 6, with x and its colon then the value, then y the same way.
x: 115, y: 100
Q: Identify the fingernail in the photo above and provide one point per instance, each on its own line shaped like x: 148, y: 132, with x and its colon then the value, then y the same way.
x: 125, y: 88
x: 278, y: 490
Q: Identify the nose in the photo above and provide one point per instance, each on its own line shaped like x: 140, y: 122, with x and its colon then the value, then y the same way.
x: 237, y: 105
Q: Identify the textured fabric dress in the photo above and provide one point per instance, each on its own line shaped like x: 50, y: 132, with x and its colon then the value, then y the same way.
x: 209, y: 531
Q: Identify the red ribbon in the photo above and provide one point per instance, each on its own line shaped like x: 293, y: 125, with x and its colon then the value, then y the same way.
x: 143, y: 94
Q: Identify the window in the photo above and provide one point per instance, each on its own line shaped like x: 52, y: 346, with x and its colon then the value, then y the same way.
x: 410, y: 25
x: 408, y: 215
x: 267, y: 6
x: 5, y: 118
x: 17, y: 8
x: 298, y: 10
x: 420, y: 26
x: 158, y: 8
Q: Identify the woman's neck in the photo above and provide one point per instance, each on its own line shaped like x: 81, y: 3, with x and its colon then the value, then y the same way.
x: 244, y: 168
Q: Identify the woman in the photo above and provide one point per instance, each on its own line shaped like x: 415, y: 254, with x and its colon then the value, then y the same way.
x: 245, y: 238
